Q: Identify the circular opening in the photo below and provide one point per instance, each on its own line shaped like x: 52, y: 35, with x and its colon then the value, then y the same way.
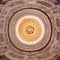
x: 30, y: 29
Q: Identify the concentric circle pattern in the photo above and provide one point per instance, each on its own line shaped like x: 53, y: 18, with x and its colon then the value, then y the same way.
x: 29, y: 29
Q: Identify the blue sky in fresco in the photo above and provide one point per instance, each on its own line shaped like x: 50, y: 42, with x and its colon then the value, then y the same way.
x: 55, y: 1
